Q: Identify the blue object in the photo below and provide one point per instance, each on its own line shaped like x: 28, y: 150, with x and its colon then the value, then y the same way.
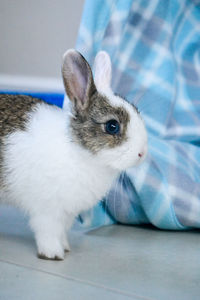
x: 154, y: 49
x: 53, y: 98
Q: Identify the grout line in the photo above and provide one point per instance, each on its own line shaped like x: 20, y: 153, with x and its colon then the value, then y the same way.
x: 71, y: 278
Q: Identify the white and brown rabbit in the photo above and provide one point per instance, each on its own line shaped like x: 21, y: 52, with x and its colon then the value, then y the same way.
x: 56, y: 163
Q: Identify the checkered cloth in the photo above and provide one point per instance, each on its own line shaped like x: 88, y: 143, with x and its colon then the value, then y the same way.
x: 155, y: 51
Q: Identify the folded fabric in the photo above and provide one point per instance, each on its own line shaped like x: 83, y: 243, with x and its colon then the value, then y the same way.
x: 154, y: 48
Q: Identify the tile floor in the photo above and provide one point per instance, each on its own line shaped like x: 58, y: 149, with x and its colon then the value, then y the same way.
x: 115, y: 262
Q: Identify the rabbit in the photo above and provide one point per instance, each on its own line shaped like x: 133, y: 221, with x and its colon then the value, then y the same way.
x: 56, y: 163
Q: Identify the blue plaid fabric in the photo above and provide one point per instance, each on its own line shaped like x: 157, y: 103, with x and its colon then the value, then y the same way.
x: 155, y: 51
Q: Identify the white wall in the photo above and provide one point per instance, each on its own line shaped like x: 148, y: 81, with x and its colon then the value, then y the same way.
x: 34, y: 34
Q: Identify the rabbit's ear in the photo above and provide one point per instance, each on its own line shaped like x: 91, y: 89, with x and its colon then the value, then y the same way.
x: 78, y: 79
x: 103, y: 70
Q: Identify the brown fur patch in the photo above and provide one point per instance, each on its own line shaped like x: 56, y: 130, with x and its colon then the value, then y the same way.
x: 14, y: 111
x: 88, y: 126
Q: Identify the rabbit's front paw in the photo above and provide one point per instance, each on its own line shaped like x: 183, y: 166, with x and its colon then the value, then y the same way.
x: 48, y: 234
x: 51, y: 250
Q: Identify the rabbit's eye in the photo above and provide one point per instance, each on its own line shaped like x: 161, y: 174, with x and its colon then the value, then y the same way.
x: 112, y: 127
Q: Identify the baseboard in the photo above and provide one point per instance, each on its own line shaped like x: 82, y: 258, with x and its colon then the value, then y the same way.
x: 28, y: 83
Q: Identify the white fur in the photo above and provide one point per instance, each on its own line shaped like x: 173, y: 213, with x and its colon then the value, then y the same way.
x: 53, y: 179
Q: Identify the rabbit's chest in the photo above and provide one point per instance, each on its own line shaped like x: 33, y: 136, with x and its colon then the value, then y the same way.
x: 85, y: 186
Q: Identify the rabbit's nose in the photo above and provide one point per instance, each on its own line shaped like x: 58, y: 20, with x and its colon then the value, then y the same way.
x: 140, y: 154
x: 143, y: 152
